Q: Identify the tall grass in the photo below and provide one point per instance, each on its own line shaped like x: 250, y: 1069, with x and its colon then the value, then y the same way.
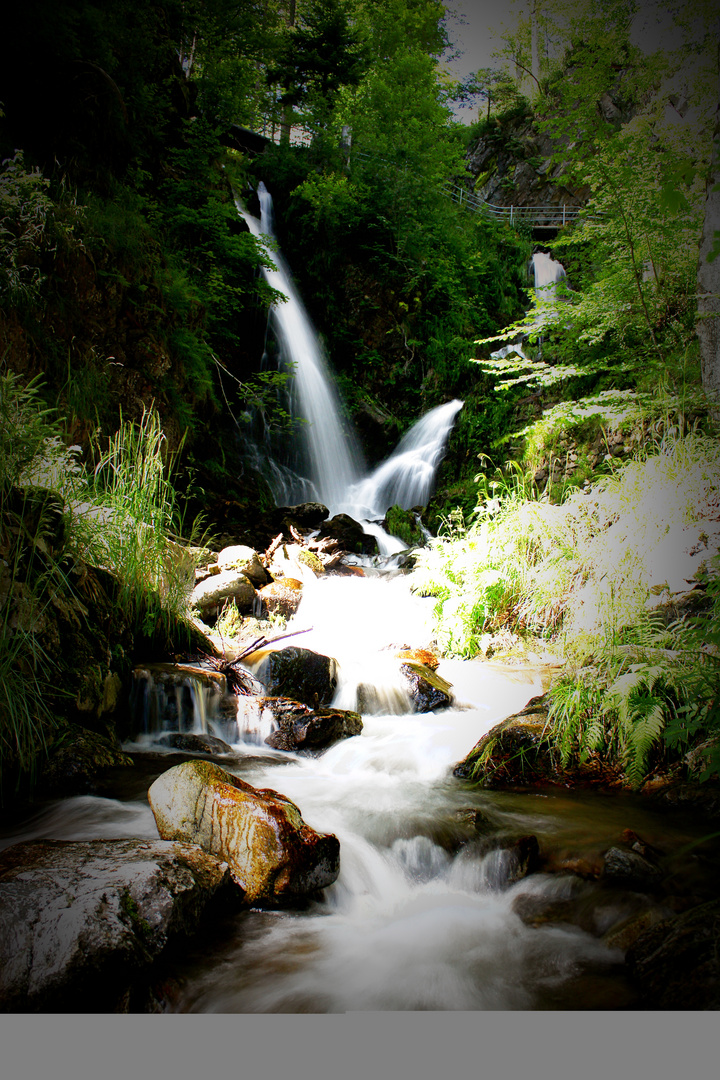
x: 25, y: 574
x: 122, y: 516
x: 131, y: 522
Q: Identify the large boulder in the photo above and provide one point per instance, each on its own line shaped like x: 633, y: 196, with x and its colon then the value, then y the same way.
x: 273, y: 855
x: 350, y: 535
x: 302, y: 728
x: 306, y: 515
x: 245, y: 560
x: 228, y: 585
x: 80, y: 921
x: 300, y: 674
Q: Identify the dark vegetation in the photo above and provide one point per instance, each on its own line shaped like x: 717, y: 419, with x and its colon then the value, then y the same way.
x: 132, y: 293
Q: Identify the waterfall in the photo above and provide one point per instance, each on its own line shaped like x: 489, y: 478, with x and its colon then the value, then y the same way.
x: 331, y: 468
x: 406, y: 478
x: 330, y: 454
x: 547, y: 273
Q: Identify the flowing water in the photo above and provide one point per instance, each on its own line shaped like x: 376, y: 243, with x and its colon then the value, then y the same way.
x: 427, y: 912
x: 324, y: 460
x: 430, y: 911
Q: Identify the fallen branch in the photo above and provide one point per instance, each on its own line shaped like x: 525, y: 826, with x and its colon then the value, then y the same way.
x: 260, y: 642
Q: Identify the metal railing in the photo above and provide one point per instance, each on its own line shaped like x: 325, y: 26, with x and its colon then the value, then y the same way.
x: 550, y: 216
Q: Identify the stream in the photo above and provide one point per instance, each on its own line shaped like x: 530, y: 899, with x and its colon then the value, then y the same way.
x: 427, y: 912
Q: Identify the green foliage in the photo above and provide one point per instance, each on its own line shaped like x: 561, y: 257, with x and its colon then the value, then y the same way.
x: 24, y: 210
x: 402, y: 523
x: 321, y: 54
x: 582, y: 575
x: 129, y: 523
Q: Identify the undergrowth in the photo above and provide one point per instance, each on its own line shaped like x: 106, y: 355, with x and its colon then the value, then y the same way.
x: 55, y: 512
x: 594, y: 576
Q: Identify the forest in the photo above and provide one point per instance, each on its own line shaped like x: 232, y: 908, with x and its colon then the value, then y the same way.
x: 146, y: 410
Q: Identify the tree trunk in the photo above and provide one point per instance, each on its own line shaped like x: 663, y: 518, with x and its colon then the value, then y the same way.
x: 708, y: 320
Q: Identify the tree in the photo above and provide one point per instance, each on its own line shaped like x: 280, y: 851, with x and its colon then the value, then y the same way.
x: 322, y: 52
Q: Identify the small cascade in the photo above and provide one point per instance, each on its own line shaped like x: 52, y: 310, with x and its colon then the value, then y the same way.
x: 406, y: 478
x: 547, y: 273
x: 182, y: 698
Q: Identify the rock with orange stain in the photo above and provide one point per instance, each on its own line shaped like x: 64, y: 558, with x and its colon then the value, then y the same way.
x: 272, y: 854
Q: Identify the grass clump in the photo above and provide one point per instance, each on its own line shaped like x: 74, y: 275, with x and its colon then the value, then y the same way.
x: 596, y: 576
x: 56, y: 514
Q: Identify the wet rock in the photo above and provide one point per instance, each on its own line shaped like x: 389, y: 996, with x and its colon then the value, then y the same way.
x: 676, y: 963
x: 281, y: 597
x: 517, y: 753
x: 478, y: 820
x: 79, y: 921
x: 75, y: 760
x: 419, y: 656
x: 521, y: 858
x: 350, y: 534
x: 308, y: 515
x: 273, y: 855
x: 245, y: 561
x: 627, y: 932
x: 228, y: 585
x: 427, y: 689
x: 302, y: 728
x: 194, y: 743
x: 300, y: 674
x: 630, y: 869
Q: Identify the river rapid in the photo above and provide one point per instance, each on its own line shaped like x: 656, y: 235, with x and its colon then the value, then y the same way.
x: 427, y: 912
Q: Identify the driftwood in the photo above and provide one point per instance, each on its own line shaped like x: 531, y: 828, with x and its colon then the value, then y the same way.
x: 260, y: 642
x: 239, y: 681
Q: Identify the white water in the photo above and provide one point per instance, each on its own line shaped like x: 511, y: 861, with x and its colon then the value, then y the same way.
x: 547, y: 273
x: 408, y: 924
x: 331, y: 457
x: 331, y: 467
x: 423, y: 915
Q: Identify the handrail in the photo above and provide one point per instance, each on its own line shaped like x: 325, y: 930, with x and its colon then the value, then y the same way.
x: 549, y: 214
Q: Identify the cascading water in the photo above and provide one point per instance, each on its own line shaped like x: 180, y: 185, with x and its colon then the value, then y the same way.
x: 547, y: 274
x: 331, y: 467
x: 430, y: 911
x: 406, y: 478
x: 331, y: 457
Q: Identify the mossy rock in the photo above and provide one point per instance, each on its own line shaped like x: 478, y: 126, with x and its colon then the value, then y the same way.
x: 75, y: 758
x: 404, y: 525
x: 310, y: 559
x: 519, y: 752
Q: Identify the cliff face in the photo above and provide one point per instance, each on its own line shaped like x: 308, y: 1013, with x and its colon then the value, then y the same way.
x: 513, y: 162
